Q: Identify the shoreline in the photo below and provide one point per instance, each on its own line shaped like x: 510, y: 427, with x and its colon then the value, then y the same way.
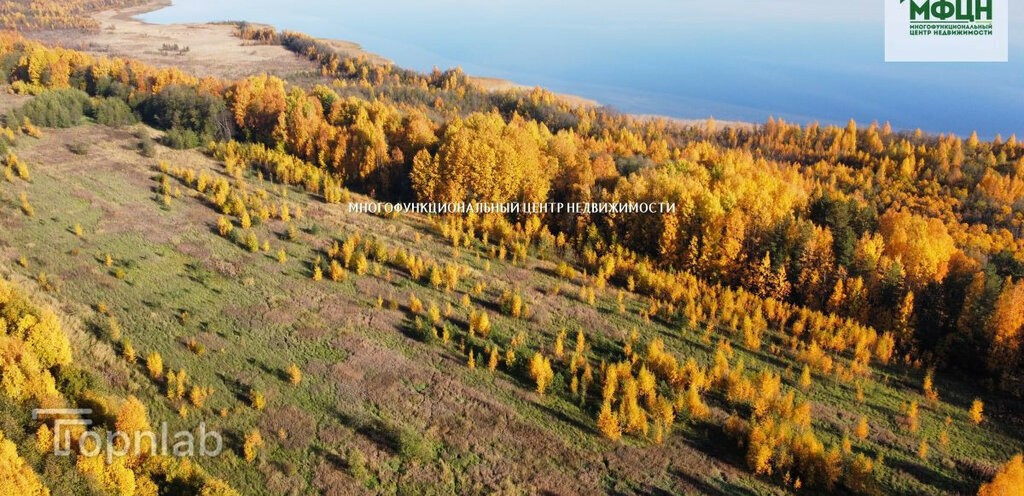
x: 125, y: 23
x: 129, y: 16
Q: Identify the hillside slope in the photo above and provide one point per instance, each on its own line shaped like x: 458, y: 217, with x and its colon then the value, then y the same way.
x: 382, y: 405
x: 825, y: 310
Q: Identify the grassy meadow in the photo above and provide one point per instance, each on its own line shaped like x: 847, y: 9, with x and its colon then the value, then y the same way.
x: 383, y: 407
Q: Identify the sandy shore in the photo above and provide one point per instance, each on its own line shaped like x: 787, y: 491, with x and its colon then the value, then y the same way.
x: 202, y: 49
x: 213, y: 50
x: 495, y: 84
x: 720, y: 124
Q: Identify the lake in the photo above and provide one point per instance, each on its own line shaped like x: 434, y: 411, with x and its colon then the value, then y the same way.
x: 801, y: 60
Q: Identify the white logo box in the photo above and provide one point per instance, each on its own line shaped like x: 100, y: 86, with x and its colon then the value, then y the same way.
x: 903, y: 46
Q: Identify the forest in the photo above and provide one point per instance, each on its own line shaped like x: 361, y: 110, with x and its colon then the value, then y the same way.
x: 883, y: 262
x: 37, y: 15
x: 915, y: 235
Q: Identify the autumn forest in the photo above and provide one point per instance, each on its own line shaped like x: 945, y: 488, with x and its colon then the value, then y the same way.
x: 828, y: 309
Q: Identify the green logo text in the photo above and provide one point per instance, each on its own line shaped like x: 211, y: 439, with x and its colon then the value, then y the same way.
x: 950, y: 10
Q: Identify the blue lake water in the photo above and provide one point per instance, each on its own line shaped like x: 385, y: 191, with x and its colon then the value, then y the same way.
x: 801, y: 60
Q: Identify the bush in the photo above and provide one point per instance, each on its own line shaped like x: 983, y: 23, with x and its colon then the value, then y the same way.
x: 113, y: 112
x: 55, y: 108
x: 146, y: 146
x: 182, y: 138
x: 196, y: 117
x: 80, y: 148
x: 74, y: 382
x: 412, y: 445
x: 106, y: 86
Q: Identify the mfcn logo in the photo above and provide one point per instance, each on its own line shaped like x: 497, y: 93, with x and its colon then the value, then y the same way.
x: 946, y: 30
x: 960, y: 10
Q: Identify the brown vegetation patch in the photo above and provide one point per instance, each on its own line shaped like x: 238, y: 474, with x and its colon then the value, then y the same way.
x: 330, y: 478
x: 212, y: 49
x: 298, y: 425
x: 282, y: 478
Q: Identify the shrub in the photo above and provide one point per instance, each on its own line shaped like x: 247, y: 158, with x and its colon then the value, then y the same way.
x: 155, y: 365
x: 146, y: 146
x: 540, y: 371
x: 55, y: 108
x: 217, y: 487
x: 608, y: 422
x: 26, y: 206
x: 196, y: 117
x: 415, y: 305
x: 337, y: 272
x: 492, y: 361
x: 412, y: 445
x: 80, y: 148
x: 253, y: 443
x: 294, y: 374
x: 107, y: 86
x: 198, y: 396
x: 257, y: 400
x: 862, y: 428
x: 976, y: 413
x: 181, y: 139
x: 44, y: 439
x: 479, y: 323
x: 73, y: 381
x: 112, y: 112
x: 805, y: 378
x: 128, y: 351
x: 252, y: 242
x: 913, y: 421
x: 224, y: 226
x: 357, y: 464
x: 30, y: 129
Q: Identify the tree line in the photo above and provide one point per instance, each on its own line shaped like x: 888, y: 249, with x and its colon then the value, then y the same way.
x: 908, y: 233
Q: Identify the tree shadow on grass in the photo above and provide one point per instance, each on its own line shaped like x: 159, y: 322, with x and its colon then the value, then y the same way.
x: 563, y: 417
x: 239, y: 391
x: 374, y: 429
x: 275, y: 372
x: 931, y: 477
x: 331, y: 456
x: 701, y: 486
